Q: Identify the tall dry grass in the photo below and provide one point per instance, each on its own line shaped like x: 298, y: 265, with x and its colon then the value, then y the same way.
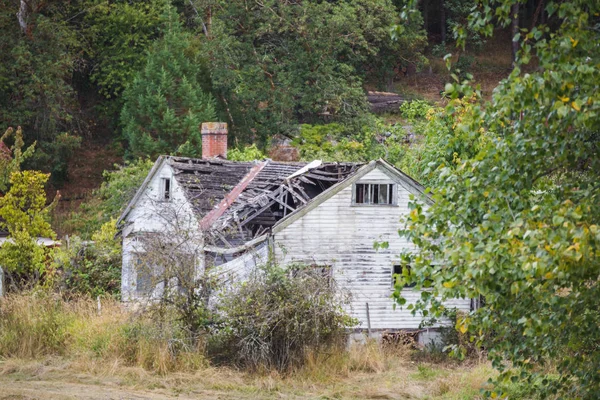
x: 39, y: 324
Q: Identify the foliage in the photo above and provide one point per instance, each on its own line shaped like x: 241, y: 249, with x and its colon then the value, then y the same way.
x: 292, y: 312
x: 57, y: 154
x: 335, y: 142
x: 516, y: 223
x: 112, y: 197
x: 12, y: 157
x: 416, y: 109
x: 168, y: 99
x: 120, y: 33
x: 458, y: 14
x: 439, y: 142
x: 463, y: 66
x: 37, y: 65
x: 280, y: 64
x: 24, y: 214
x: 248, y: 153
x: 91, y: 268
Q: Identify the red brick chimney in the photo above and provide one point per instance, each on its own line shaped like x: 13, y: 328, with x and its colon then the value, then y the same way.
x: 214, y: 139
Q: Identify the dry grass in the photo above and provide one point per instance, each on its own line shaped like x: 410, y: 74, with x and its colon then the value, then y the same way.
x: 53, y: 349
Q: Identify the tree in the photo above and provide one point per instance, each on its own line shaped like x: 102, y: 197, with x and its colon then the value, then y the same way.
x: 279, y: 64
x: 39, y: 53
x: 169, y: 99
x: 518, y: 223
x: 120, y: 34
x: 24, y: 214
x: 11, y: 157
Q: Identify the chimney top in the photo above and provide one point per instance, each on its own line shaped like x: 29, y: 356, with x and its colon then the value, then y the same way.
x: 214, y: 139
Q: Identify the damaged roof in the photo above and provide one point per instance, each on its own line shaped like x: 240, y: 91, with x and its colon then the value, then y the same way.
x: 240, y: 200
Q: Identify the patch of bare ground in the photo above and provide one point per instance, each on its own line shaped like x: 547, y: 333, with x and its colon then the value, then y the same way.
x: 57, y: 378
x: 85, y: 174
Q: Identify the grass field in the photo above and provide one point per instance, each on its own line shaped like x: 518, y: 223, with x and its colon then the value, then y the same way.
x: 396, y: 378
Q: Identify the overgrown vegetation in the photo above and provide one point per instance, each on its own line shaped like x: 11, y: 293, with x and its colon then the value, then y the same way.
x: 515, y: 218
x: 275, y: 318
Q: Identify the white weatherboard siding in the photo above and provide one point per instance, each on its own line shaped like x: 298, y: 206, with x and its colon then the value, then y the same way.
x: 150, y: 214
x: 339, y: 234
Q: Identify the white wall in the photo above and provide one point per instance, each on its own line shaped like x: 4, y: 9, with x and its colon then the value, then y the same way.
x: 150, y: 214
x: 339, y: 234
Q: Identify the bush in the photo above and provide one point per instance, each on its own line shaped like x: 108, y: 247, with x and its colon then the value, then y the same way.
x: 91, y: 268
x: 416, y: 109
x: 248, y: 153
x: 275, y: 317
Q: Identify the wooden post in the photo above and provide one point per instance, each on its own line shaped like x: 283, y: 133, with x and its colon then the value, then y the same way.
x: 368, y: 321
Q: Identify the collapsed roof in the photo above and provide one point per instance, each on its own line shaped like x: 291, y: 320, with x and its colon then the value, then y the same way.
x: 239, y: 201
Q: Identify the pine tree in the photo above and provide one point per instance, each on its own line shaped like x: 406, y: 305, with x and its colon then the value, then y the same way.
x: 169, y: 99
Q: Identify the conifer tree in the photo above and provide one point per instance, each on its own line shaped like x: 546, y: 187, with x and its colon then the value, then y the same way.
x: 169, y: 99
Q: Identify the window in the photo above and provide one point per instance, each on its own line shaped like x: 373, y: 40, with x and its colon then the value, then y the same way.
x: 397, y: 271
x: 165, y: 189
x: 143, y: 277
x: 374, y: 193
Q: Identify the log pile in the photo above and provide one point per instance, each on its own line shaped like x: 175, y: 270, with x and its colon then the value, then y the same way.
x: 382, y: 102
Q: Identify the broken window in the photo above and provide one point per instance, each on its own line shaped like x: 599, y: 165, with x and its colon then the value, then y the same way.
x: 165, y: 189
x: 143, y: 276
x: 397, y: 272
x: 374, y: 193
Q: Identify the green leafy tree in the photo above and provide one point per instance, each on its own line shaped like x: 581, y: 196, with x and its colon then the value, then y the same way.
x: 169, y: 99
x: 24, y: 214
x: 279, y: 64
x: 39, y: 55
x: 518, y: 223
x: 11, y: 157
x: 120, y: 34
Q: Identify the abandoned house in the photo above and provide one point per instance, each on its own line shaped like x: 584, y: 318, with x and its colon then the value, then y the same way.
x: 323, y: 214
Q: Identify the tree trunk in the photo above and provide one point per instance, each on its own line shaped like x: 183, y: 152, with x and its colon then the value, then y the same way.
x: 22, y: 16
x: 443, y: 19
x: 426, y: 15
x: 514, y: 11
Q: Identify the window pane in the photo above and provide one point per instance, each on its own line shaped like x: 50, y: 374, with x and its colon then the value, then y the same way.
x: 360, y: 193
x: 383, y: 194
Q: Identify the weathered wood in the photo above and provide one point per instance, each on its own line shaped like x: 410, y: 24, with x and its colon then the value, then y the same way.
x: 384, y: 101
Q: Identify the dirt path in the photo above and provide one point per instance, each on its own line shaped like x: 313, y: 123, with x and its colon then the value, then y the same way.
x: 50, y: 390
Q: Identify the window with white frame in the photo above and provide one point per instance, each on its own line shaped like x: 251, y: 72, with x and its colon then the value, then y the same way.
x: 374, y: 193
x: 165, y: 189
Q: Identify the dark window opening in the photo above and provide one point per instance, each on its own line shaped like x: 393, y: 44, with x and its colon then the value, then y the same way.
x: 374, y: 193
x: 166, y: 189
x: 398, y: 272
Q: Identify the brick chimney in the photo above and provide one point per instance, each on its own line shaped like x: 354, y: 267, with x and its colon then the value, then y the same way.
x: 214, y: 139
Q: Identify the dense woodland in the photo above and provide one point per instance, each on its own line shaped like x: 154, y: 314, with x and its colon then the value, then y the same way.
x: 513, y: 172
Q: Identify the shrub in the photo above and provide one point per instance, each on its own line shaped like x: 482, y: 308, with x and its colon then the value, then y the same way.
x: 275, y: 317
x: 91, y: 268
x: 416, y: 109
x: 248, y: 153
